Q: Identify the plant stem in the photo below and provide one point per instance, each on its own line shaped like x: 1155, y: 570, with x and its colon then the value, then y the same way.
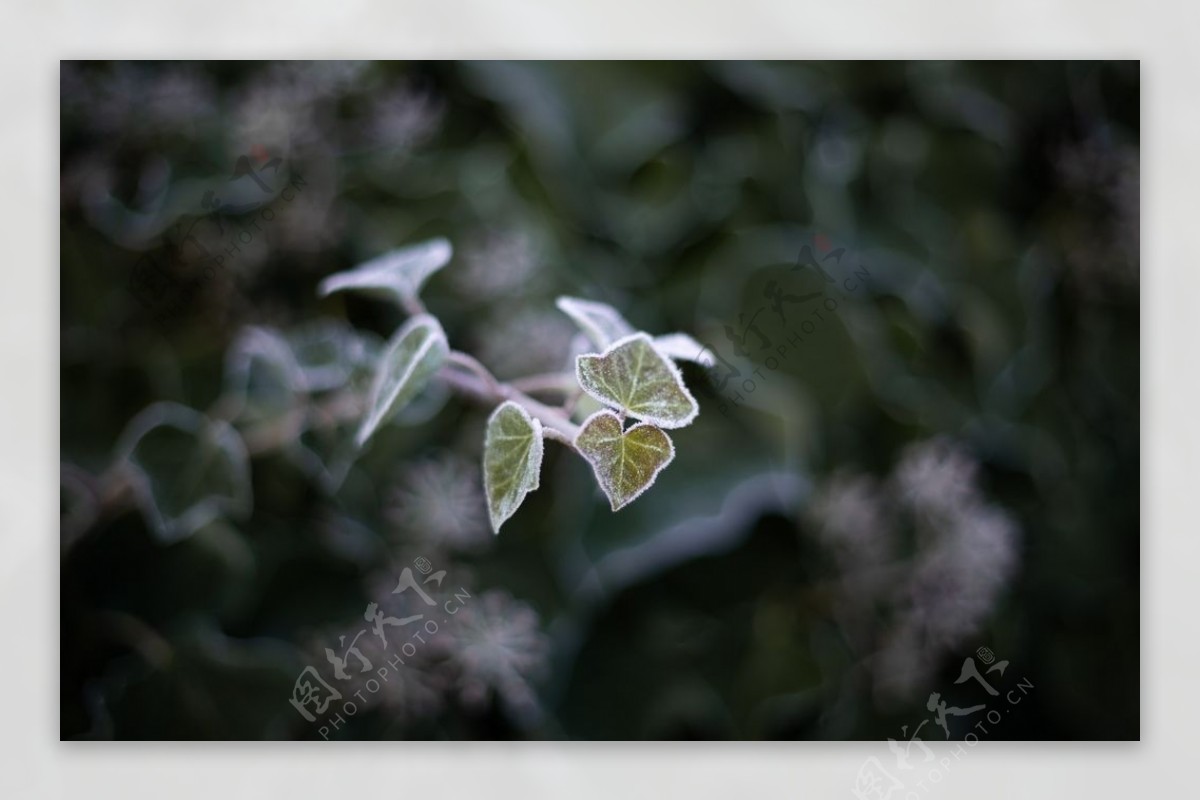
x: 572, y: 401
x: 413, y: 305
x: 466, y: 361
x: 482, y: 386
x: 563, y: 383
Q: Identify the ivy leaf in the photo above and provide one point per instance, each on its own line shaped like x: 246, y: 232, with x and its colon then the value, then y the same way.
x: 682, y: 346
x: 187, y: 470
x: 331, y: 357
x: 330, y: 353
x: 602, y: 324
x: 325, y: 453
x: 409, y: 360
x: 262, y: 377
x: 632, y: 375
x: 512, y: 460
x: 625, y: 462
x: 398, y: 274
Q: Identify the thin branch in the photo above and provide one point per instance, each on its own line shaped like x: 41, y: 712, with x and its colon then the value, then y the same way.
x: 572, y: 401
x: 412, y: 305
x: 553, y: 433
x: 563, y: 383
x: 551, y: 418
x: 482, y: 386
x: 469, y: 362
x: 470, y: 385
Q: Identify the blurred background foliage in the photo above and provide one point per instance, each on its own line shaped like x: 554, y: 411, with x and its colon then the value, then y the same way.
x: 949, y: 459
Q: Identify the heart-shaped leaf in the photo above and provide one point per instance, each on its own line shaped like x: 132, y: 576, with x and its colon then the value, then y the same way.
x: 602, y: 324
x: 326, y: 453
x: 632, y: 375
x: 625, y: 462
x: 512, y: 460
x: 187, y: 470
x: 682, y: 346
x: 410, y: 359
x: 398, y: 274
x: 262, y: 378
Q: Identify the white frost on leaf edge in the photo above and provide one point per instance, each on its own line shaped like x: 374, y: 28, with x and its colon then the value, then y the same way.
x: 212, y: 507
x: 671, y: 366
x: 681, y: 346
x: 537, y: 454
x: 582, y: 313
x: 596, y: 470
x: 402, y: 272
x: 271, y: 345
x: 379, y: 411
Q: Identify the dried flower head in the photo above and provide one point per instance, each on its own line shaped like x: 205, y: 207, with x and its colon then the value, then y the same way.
x: 496, y: 645
x: 438, y: 502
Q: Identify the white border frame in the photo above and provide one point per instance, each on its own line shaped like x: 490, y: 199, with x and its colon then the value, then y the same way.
x: 36, y: 35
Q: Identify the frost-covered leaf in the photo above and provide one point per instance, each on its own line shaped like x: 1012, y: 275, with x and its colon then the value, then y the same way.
x: 682, y: 346
x: 512, y: 460
x: 625, y: 462
x: 187, y: 470
x: 410, y: 359
x: 398, y: 274
x: 602, y: 324
x: 325, y: 451
x: 262, y: 377
x: 424, y: 405
x: 632, y: 375
x: 337, y: 365
x: 329, y: 352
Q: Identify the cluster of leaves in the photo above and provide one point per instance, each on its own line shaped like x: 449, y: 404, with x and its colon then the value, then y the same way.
x: 631, y: 375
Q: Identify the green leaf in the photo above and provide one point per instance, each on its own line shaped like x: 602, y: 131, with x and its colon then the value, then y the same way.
x: 625, y: 462
x: 331, y: 354
x: 331, y: 357
x: 410, y: 359
x: 398, y: 274
x: 326, y: 453
x: 186, y: 469
x: 262, y: 378
x: 512, y: 460
x: 682, y: 346
x: 602, y: 324
x: 632, y: 375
